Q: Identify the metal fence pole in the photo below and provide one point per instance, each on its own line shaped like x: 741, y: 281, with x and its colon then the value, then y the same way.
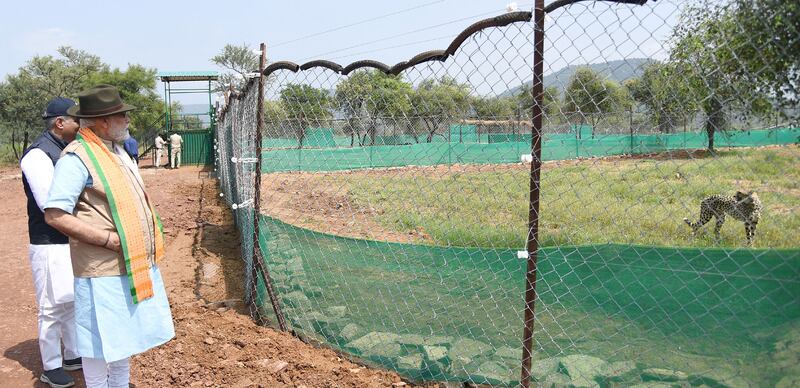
x: 631, y: 129
x: 533, y: 209
x: 258, y: 258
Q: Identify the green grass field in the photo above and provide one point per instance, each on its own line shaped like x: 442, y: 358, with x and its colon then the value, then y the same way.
x: 636, y: 201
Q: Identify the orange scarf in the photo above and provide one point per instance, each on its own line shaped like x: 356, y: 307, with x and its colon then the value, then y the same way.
x: 122, y: 199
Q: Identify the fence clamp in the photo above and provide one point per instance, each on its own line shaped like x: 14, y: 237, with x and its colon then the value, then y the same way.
x: 244, y: 160
x: 242, y: 205
x: 520, y: 254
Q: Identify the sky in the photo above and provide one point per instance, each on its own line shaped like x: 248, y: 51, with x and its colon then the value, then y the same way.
x: 184, y: 35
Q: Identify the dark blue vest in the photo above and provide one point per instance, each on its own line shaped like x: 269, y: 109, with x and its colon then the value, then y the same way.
x: 38, y: 231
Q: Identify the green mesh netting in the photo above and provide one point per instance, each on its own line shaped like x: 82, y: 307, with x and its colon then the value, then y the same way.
x: 496, y: 148
x: 422, y: 310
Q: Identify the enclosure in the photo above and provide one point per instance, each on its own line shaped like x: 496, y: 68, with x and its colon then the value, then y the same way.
x: 459, y: 217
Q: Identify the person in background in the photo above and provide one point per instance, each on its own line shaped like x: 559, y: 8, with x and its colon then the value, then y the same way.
x: 98, y: 200
x: 132, y: 148
x: 49, y: 249
x: 175, y: 142
x: 159, y: 150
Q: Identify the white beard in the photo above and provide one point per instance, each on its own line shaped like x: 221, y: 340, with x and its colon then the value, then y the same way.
x: 119, y: 136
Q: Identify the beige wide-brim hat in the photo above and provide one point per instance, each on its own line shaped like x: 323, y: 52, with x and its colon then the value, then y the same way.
x: 101, y: 100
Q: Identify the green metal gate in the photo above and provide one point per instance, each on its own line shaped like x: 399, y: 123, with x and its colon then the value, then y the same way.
x: 197, y: 148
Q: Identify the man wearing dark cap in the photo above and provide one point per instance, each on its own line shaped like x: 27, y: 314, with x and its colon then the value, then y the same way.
x: 97, y: 198
x: 49, y: 249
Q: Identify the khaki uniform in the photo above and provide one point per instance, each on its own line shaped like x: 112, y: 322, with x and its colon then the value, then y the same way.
x: 159, y: 144
x: 175, y: 142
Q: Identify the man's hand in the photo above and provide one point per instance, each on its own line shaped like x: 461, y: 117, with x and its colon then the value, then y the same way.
x: 114, y: 243
x: 74, y: 228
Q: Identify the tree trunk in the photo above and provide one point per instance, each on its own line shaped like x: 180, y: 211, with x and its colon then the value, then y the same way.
x: 710, y: 132
x: 431, y: 130
x: 715, y: 120
x: 302, y: 135
x: 14, y: 143
x: 371, y: 132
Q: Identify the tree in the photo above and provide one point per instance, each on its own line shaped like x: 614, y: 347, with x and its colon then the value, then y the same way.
x: 494, y: 108
x: 549, y: 100
x: 739, y: 57
x: 274, y: 117
x: 700, y: 56
x: 305, y: 105
x: 351, y: 99
x: 664, y: 93
x: 764, y: 37
x: 370, y: 96
x: 588, y: 95
x: 238, y: 61
x: 390, y: 101
x: 23, y: 95
x: 438, y: 101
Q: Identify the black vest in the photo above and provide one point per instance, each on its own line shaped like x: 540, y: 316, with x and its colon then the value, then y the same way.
x: 38, y: 231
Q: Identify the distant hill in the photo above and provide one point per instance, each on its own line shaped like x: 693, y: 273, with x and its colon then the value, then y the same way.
x: 619, y: 70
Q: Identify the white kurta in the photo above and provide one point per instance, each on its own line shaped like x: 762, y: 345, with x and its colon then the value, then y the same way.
x: 51, y: 268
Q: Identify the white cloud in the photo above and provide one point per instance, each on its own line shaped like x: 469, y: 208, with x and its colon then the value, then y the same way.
x: 45, y: 41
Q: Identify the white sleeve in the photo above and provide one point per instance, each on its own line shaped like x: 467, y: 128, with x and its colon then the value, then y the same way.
x: 38, y: 170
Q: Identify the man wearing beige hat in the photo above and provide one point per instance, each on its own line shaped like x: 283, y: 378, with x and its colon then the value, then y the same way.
x: 98, y: 200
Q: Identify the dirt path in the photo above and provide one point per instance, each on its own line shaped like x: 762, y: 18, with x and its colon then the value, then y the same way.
x: 216, y: 344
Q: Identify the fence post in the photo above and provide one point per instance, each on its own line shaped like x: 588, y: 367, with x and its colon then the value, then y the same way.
x: 533, y: 209
x: 517, y: 131
x: 630, y: 121
x: 258, y: 259
x: 449, y: 133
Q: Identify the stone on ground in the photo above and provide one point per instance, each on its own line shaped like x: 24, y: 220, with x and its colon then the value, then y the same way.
x: 465, y: 348
x: 372, y: 339
x: 351, y: 331
x: 582, y: 369
x: 659, y: 374
x: 542, y: 368
x: 435, y: 353
x: 413, y: 361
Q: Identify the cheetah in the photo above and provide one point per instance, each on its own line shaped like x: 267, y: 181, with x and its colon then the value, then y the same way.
x: 743, y: 206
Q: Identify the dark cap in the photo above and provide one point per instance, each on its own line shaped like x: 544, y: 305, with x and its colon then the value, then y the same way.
x: 57, y: 107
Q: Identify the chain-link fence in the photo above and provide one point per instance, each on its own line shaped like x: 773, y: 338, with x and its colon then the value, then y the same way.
x: 434, y: 216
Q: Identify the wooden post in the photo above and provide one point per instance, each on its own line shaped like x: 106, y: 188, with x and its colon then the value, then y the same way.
x: 258, y: 258
x: 535, y: 181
